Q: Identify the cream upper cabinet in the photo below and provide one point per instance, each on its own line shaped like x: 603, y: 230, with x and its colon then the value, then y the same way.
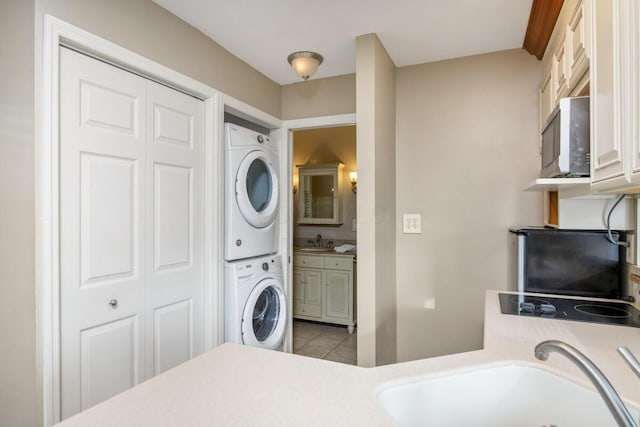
x: 615, y: 79
x: 560, y: 70
x: 320, y: 194
x: 566, y: 60
x: 576, y: 45
x: 547, y: 97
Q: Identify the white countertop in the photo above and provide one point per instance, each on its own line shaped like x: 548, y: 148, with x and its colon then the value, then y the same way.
x: 234, y: 385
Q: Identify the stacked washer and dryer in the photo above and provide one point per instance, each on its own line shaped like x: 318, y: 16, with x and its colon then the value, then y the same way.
x: 255, y: 302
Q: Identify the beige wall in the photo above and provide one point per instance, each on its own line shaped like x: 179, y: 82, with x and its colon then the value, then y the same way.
x: 17, y: 291
x: 138, y: 25
x: 327, y: 145
x: 376, y: 112
x: 321, y: 97
x: 467, y: 145
x: 147, y: 29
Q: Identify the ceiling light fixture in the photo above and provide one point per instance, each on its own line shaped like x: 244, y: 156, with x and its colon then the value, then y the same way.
x: 305, y: 63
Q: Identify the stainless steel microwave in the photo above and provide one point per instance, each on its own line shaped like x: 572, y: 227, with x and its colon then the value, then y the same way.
x: 565, y: 140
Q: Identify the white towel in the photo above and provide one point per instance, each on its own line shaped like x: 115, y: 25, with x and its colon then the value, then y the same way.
x: 344, y: 248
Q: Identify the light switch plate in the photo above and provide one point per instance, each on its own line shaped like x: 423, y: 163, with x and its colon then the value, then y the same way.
x: 412, y: 223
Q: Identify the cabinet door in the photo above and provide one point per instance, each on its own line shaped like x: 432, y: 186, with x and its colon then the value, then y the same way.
x: 313, y: 287
x: 631, y: 82
x: 607, y: 166
x: 560, y: 71
x: 338, y: 293
x: 298, y: 289
x: 546, y: 98
x: 576, y: 45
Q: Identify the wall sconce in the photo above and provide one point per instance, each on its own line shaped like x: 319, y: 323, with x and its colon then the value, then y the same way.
x: 353, y: 179
x: 295, y: 183
x: 305, y: 63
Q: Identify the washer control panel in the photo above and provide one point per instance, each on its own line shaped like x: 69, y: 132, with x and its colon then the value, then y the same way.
x: 250, y: 268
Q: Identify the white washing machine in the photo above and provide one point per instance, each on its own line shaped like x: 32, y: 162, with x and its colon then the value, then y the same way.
x: 255, y: 303
x: 251, y: 193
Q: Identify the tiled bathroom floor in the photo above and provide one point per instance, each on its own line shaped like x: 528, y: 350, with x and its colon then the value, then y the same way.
x: 322, y: 341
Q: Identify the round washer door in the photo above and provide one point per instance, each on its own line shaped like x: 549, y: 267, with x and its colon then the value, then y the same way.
x: 264, y: 315
x: 257, y: 189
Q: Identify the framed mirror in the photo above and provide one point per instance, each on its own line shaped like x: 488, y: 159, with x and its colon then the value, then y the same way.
x: 320, y: 199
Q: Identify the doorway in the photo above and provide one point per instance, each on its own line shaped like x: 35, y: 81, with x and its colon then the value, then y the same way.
x: 324, y: 236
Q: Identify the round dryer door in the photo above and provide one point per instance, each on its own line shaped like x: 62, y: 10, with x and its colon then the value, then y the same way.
x: 264, y: 315
x: 257, y: 189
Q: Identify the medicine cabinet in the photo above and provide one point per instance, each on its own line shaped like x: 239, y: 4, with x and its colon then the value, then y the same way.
x: 320, y: 201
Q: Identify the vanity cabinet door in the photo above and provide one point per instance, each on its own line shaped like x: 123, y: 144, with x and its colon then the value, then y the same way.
x: 313, y: 288
x: 307, y: 293
x: 337, y: 288
x: 298, y: 291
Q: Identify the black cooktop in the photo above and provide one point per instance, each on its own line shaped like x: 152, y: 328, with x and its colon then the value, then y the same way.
x: 607, y: 312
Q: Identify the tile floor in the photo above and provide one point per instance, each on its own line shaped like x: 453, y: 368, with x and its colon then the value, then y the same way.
x: 324, y: 341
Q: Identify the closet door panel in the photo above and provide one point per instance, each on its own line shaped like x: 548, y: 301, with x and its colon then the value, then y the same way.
x: 174, y: 246
x: 173, y: 231
x: 173, y: 328
x: 109, y: 359
x: 131, y: 227
x: 102, y: 167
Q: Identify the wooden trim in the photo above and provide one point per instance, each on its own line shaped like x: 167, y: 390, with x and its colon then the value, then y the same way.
x: 553, y: 209
x: 543, y: 17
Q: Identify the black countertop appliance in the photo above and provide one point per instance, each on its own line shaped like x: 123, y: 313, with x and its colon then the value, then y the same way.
x: 581, y: 263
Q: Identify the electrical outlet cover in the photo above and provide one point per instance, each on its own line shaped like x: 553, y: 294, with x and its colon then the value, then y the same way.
x: 412, y: 223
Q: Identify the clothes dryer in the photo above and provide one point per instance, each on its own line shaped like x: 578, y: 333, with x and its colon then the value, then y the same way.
x: 255, y: 303
x: 251, y: 193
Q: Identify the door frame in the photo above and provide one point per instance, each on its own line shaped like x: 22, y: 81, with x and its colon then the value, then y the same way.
x: 55, y: 33
x: 286, y: 165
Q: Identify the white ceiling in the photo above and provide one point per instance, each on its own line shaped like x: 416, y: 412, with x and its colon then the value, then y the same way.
x: 263, y: 32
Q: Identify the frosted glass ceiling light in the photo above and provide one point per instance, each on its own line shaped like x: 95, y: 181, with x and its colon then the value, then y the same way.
x: 305, y: 63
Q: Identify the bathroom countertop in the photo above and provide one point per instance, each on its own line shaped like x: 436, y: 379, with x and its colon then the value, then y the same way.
x: 321, y: 251
x: 245, y: 386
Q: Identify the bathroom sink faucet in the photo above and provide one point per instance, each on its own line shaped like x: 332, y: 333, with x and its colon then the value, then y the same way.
x: 601, y: 383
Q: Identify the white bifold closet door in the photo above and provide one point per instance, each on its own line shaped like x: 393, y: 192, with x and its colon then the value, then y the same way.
x: 131, y: 227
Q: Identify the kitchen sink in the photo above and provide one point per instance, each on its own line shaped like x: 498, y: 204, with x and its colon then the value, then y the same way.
x: 503, y: 396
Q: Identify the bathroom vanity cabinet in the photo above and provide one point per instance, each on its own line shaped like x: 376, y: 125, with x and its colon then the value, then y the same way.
x: 324, y: 288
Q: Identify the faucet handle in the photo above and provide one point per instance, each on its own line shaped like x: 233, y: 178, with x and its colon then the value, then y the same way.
x: 630, y: 359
